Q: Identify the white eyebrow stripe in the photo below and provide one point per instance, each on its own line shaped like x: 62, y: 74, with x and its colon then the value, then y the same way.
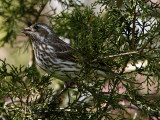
x: 46, y: 28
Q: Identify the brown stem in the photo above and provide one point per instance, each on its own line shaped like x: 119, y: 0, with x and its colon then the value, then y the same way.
x: 122, y: 54
x: 144, y: 46
x: 123, y: 69
x: 134, y: 27
x: 40, y: 11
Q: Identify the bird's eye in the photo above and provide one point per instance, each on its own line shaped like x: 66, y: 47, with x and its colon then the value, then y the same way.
x: 36, y: 27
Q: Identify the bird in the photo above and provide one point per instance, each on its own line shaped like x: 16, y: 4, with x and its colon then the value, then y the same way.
x: 52, y: 54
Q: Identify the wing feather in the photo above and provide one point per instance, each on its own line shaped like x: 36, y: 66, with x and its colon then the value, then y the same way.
x: 62, y: 49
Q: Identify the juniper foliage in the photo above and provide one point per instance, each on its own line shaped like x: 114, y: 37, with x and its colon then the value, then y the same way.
x: 121, y: 33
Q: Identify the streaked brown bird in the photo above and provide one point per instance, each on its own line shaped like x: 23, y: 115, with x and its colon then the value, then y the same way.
x: 52, y: 54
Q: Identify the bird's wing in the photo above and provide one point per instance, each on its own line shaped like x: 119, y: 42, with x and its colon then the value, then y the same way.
x: 62, y: 49
x: 64, y: 52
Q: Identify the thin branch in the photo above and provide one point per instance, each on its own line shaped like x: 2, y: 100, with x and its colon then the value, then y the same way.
x: 40, y: 11
x: 123, y: 69
x: 144, y: 46
x: 134, y: 27
x: 122, y: 54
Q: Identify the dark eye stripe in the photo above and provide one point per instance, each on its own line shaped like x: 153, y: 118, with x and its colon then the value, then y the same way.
x: 36, y: 27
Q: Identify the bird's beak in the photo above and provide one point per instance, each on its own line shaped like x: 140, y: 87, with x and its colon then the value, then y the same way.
x: 27, y: 30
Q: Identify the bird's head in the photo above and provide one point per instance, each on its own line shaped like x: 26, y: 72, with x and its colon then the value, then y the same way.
x: 38, y: 30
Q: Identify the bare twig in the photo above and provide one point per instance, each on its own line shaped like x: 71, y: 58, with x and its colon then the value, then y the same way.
x: 144, y: 46
x: 125, y: 65
x: 122, y: 54
x: 40, y: 11
x: 134, y: 27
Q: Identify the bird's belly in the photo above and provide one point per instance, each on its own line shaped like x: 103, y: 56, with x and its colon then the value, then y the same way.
x: 63, y: 70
